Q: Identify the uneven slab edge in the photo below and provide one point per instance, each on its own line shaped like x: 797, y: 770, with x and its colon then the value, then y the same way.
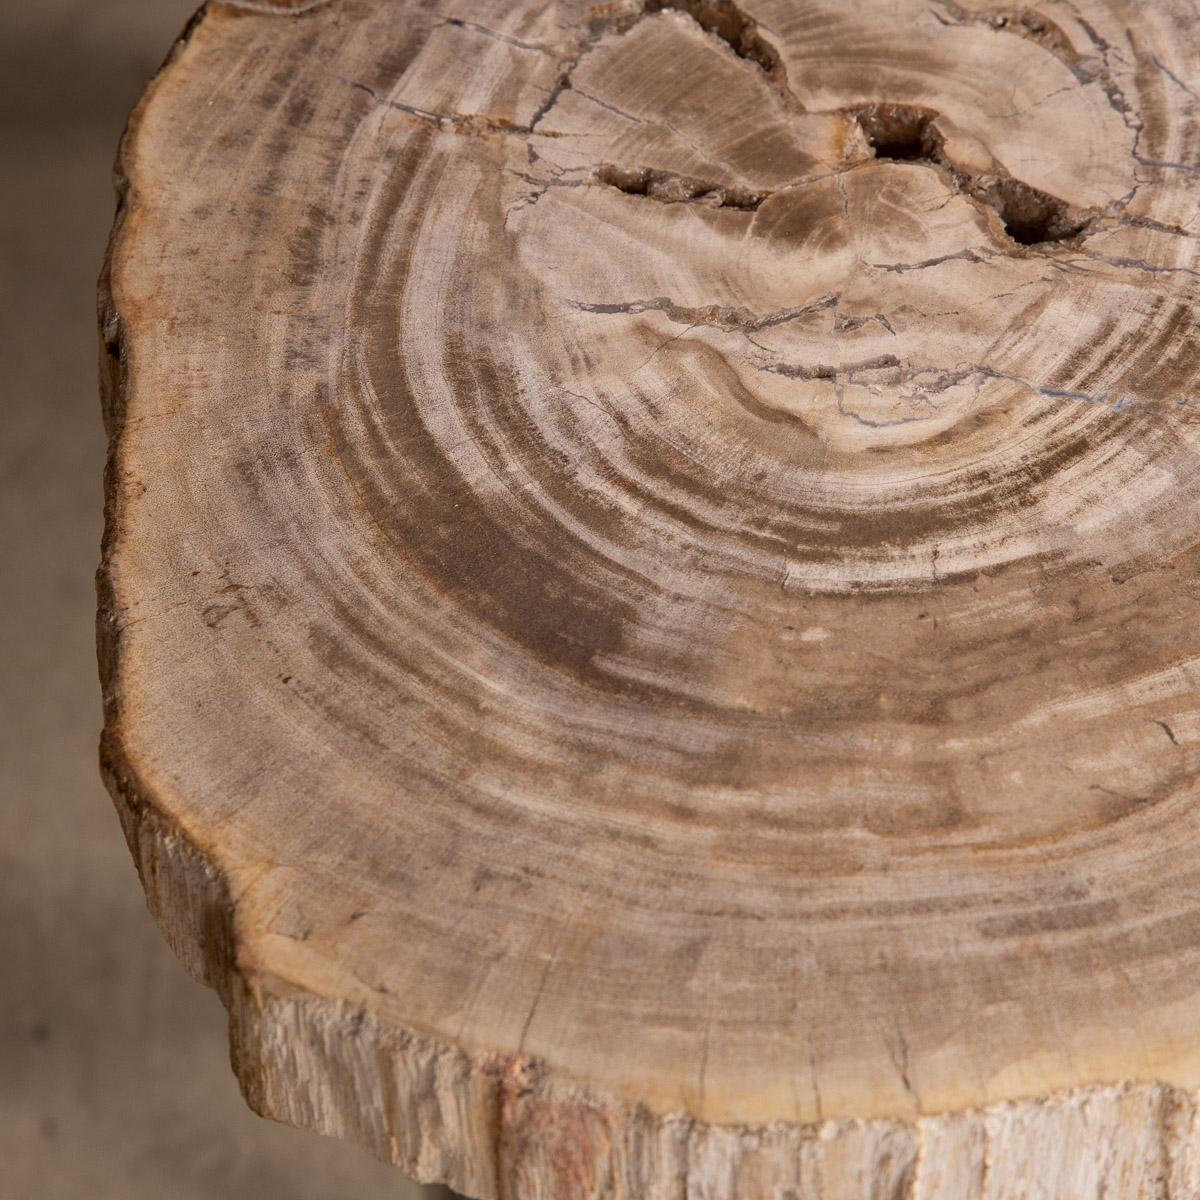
x: 506, y: 1129
x: 509, y: 1127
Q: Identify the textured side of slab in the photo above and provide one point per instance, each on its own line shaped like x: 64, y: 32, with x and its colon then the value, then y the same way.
x: 497, y: 1128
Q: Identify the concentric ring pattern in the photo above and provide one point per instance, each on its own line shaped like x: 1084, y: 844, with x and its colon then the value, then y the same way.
x: 661, y: 539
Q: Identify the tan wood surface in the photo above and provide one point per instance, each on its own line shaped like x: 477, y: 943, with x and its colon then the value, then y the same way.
x: 649, y: 615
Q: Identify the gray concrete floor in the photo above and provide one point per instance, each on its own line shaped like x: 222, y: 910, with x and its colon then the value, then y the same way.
x: 114, y: 1076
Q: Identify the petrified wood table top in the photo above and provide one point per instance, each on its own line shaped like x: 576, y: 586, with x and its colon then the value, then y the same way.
x: 650, y: 602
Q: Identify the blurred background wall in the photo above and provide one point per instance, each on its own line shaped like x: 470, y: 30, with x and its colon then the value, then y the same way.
x: 114, y: 1074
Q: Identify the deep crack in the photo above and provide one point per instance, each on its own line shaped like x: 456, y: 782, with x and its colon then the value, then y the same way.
x: 900, y: 132
x: 909, y: 133
x: 897, y: 133
x: 669, y: 188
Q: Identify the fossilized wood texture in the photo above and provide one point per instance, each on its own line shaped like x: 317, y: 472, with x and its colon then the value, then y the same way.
x: 649, y: 615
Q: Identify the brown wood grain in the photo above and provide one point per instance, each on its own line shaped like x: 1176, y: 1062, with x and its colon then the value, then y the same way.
x: 649, y: 604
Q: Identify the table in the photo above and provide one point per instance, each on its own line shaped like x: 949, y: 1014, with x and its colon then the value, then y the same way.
x: 648, y: 616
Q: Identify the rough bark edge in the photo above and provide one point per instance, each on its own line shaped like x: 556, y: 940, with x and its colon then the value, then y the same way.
x: 501, y: 1126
